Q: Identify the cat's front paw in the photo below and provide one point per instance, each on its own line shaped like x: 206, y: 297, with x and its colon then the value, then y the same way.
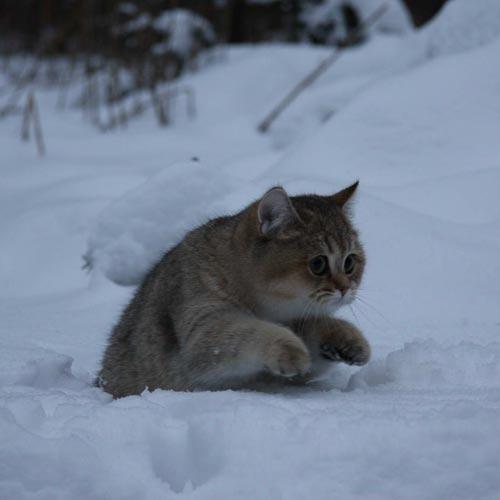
x: 352, y: 352
x: 288, y: 357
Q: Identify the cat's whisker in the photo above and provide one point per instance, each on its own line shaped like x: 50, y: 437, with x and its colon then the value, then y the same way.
x: 377, y: 290
x: 365, y: 314
x: 354, y: 314
x: 305, y: 315
x: 367, y: 318
x: 366, y: 303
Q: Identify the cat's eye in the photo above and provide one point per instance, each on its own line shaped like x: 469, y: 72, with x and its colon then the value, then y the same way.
x: 349, y: 263
x: 319, y: 265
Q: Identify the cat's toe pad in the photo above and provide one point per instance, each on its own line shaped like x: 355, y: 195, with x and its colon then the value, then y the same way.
x: 329, y: 352
x: 350, y: 353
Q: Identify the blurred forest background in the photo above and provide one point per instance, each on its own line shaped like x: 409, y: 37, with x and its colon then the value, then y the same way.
x: 126, y: 52
x: 81, y: 26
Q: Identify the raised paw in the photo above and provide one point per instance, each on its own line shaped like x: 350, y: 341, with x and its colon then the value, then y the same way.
x: 288, y: 358
x: 352, y: 352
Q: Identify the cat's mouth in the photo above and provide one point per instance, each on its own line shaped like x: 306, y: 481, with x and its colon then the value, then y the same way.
x: 334, y: 298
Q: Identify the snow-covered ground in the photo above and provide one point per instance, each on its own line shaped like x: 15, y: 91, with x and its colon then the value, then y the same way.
x: 418, y: 122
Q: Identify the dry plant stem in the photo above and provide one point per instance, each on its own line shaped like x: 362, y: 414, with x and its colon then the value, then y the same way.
x: 190, y: 102
x: 114, y: 97
x: 94, y: 101
x: 37, y: 125
x: 190, y: 98
x: 160, y: 106
x: 318, y: 71
x: 32, y: 115
x: 64, y: 82
x: 23, y: 80
x: 122, y: 109
x: 27, y: 113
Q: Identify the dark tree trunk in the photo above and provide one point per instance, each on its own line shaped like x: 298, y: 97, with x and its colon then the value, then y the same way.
x: 238, y: 21
x: 423, y: 10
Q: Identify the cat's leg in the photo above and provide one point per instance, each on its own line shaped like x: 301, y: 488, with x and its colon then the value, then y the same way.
x: 334, y: 340
x: 225, y: 347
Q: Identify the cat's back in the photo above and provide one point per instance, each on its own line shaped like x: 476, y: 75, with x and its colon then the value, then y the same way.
x: 145, y: 341
x: 203, y: 249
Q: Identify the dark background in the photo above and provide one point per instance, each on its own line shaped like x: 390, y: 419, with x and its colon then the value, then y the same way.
x: 86, y: 25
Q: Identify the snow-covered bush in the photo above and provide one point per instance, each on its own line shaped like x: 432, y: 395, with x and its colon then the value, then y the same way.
x: 176, y: 33
x: 331, y: 21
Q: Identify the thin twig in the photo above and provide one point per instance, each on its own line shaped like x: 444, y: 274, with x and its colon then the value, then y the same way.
x: 32, y: 115
x: 159, y: 106
x: 319, y: 70
x: 37, y: 126
x: 27, y: 113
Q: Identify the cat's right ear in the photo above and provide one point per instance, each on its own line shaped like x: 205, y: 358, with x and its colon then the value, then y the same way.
x: 275, y: 211
x: 344, y: 198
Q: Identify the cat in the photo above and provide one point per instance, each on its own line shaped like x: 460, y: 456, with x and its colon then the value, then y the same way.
x: 242, y: 298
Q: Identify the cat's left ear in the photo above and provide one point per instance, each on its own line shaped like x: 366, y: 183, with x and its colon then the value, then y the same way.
x: 344, y: 198
x: 275, y: 212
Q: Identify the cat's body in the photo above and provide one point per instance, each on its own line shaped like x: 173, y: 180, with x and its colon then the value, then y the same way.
x: 243, y: 297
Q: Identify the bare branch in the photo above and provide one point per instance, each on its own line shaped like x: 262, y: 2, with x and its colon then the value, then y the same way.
x: 319, y: 70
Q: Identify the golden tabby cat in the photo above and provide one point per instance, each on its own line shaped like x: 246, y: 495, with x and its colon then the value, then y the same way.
x: 242, y: 297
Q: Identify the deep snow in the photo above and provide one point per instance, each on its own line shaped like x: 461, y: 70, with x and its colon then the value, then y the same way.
x: 420, y: 128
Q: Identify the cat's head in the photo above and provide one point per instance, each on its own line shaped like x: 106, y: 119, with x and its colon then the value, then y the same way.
x: 306, y: 252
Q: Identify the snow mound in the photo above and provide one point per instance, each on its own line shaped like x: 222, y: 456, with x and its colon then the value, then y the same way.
x: 462, y: 25
x: 428, y: 364
x: 135, y: 230
x: 41, y: 369
x: 435, y: 120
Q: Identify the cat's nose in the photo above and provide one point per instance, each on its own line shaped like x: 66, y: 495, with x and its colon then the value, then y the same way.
x: 341, y: 283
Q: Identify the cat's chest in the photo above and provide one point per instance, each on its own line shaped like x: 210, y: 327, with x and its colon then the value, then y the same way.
x: 284, y: 311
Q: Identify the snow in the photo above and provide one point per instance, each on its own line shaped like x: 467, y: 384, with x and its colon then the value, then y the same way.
x: 139, y: 23
x: 419, y: 128
x: 396, y: 18
x: 463, y: 25
x: 181, y: 25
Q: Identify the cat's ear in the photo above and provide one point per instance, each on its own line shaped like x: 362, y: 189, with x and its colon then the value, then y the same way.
x: 344, y: 198
x: 275, y: 211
